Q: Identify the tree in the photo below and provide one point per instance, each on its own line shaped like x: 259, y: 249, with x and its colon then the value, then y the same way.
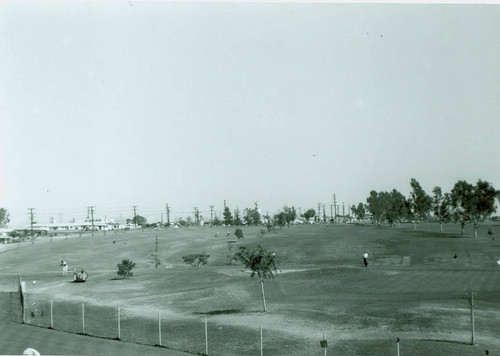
x: 441, y: 205
x: 239, y: 234
x: 139, y: 220
x: 237, y: 218
x: 308, y: 214
x: 262, y: 263
x: 359, y: 211
x: 196, y: 259
x: 280, y: 219
x: 228, y: 218
x: 268, y: 221
x: 375, y: 205
x: 4, y: 217
x: 216, y: 221
x: 473, y: 204
x: 125, y: 268
x: 394, y: 206
x: 252, y: 216
x: 289, y: 214
x: 420, y: 201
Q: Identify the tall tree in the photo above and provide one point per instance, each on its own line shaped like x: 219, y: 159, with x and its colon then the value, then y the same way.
x: 139, y: 220
x: 473, y: 203
x: 441, y: 205
x: 394, y: 206
x: 237, y: 218
x: 280, y: 219
x: 376, y: 206
x: 420, y: 201
x: 359, y: 211
x: 262, y: 263
x: 308, y: 214
x: 252, y: 216
x: 4, y: 217
x: 228, y: 218
x: 290, y: 214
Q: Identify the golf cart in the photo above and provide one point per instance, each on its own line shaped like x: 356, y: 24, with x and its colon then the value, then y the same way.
x: 80, y: 275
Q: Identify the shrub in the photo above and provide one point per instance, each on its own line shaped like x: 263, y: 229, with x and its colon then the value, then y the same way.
x: 239, y: 234
x: 196, y: 259
x: 125, y: 268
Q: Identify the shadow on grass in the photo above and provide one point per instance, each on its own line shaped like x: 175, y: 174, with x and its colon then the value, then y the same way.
x: 218, y: 312
x: 439, y: 235
x: 228, y: 311
x: 447, y: 341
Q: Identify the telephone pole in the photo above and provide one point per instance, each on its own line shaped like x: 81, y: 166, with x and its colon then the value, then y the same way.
x: 211, y: 215
x: 319, y: 211
x: 156, y: 253
x: 335, y: 207
x: 91, y: 209
x: 168, y: 214
x: 195, y: 215
x: 135, y: 216
x: 471, y: 302
x: 31, y: 224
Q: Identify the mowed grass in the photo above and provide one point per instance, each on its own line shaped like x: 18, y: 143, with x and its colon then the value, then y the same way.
x: 323, y: 289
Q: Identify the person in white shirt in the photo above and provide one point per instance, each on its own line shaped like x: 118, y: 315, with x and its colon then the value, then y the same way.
x: 64, y: 268
x: 365, y: 259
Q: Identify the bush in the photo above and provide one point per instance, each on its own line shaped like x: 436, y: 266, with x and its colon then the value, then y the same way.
x: 239, y: 234
x: 196, y: 259
x: 125, y: 268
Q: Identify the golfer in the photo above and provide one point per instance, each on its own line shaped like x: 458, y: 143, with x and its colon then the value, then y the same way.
x: 64, y: 268
x: 365, y: 259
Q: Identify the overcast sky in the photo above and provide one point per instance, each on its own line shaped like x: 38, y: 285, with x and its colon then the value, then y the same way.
x: 115, y: 104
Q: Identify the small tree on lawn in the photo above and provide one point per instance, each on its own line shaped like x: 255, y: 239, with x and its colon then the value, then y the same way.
x: 196, y: 259
x: 239, y: 234
x: 125, y: 268
x: 262, y: 263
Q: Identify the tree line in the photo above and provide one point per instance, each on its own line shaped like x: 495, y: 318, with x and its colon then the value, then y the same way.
x: 465, y: 204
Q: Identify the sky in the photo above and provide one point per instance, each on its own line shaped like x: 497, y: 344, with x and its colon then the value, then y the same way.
x: 130, y: 103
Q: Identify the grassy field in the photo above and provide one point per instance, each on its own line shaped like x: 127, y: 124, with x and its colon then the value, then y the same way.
x: 323, y: 289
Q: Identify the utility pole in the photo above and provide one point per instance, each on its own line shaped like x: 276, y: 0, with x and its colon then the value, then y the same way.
x: 91, y: 209
x: 343, y: 211
x: 335, y: 207
x: 135, y: 216
x: 224, y: 204
x: 31, y: 224
x: 324, y: 214
x: 331, y: 212
x: 195, y: 215
x: 168, y: 214
x: 471, y: 302
x: 156, y: 253
x: 319, y: 211
x: 211, y: 215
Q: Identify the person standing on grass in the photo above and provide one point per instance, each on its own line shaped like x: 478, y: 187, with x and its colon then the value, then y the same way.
x: 365, y: 259
x: 64, y: 267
